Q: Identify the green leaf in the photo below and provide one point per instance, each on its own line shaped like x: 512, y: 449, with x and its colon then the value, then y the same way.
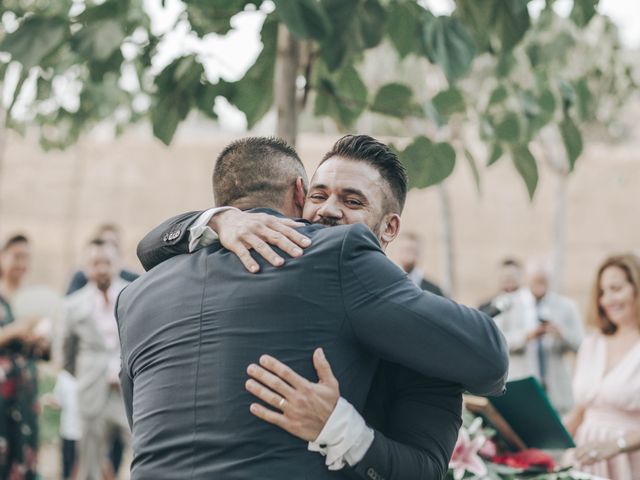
x: 214, y: 16
x: 496, y: 153
x: 572, y: 140
x: 177, y: 86
x: 341, y: 96
x: 345, y: 40
x: 427, y: 163
x: 99, y: 68
x: 394, y: 99
x: 498, y: 95
x: 506, y: 62
x: 448, y: 43
x: 583, y: 11
x: 373, y: 17
x: 447, y: 102
x: 567, y: 93
x: 108, y: 10
x: 508, y: 129
x: 304, y: 18
x: 493, y: 21
x: 511, y: 21
x: 44, y: 88
x: 403, y: 26
x: 357, y: 25
x: 554, y: 51
x: 206, y: 99
x: 474, y: 169
x: 98, y: 41
x: 478, y: 17
x: 36, y: 38
x: 547, y: 102
x: 526, y: 166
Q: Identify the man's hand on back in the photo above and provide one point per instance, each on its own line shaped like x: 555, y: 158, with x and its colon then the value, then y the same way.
x: 240, y: 232
x: 305, y: 406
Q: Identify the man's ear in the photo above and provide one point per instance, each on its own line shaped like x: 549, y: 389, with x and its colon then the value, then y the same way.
x: 300, y: 193
x: 391, y: 228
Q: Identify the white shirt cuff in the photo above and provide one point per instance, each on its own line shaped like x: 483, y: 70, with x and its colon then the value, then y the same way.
x: 345, y: 437
x: 200, y: 234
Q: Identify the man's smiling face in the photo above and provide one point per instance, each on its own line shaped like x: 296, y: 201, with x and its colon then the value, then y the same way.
x: 345, y: 192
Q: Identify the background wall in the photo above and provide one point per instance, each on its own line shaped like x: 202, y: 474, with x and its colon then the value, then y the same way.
x: 59, y: 198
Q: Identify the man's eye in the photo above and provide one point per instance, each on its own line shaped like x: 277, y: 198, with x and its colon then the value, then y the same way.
x: 317, y: 196
x: 353, y: 203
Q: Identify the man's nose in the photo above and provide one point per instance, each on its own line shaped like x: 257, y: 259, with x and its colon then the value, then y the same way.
x: 330, y: 209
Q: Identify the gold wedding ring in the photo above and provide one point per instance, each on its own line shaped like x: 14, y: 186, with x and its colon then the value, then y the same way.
x: 281, y: 403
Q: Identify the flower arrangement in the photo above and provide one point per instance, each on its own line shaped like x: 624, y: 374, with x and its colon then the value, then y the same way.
x: 477, y: 456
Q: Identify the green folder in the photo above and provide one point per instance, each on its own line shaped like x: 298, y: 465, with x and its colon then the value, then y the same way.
x: 527, y: 409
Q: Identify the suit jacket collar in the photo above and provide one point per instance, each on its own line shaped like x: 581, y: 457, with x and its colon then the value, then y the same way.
x: 275, y: 213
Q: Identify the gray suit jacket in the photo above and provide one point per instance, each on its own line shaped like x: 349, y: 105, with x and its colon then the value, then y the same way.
x: 85, y: 354
x: 190, y: 327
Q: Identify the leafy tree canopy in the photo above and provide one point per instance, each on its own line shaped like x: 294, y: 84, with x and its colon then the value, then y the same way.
x: 106, y: 50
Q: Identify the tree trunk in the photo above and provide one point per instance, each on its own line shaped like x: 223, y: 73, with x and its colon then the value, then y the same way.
x: 559, y: 232
x: 449, y: 284
x: 559, y: 164
x: 287, y: 63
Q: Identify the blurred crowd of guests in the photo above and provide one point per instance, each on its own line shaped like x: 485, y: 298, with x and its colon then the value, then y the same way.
x: 78, y: 335
x: 593, y: 381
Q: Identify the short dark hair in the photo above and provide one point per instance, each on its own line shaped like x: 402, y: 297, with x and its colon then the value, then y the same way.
x: 97, y: 242
x: 256, y: 170
x: 367, y: 149
x: 107, y: 227
x: 14, y: 240
x: 510, y: 262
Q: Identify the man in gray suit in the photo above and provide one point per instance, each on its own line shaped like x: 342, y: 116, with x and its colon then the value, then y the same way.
x: 91, y: 352
x: 191, y: 326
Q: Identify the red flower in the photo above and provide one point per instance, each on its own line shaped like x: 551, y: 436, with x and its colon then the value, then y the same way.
x: 526, y: 459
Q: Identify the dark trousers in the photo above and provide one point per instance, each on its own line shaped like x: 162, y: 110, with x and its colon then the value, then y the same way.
x: 115, y: 452
x: 68, y: 457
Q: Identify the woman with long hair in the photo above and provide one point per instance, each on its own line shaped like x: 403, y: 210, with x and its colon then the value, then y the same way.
x: 19, y: 348
x: 606, y: 420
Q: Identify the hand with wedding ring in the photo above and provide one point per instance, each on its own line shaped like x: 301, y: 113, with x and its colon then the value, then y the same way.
x: 304, y: 407
x: 596, y: 452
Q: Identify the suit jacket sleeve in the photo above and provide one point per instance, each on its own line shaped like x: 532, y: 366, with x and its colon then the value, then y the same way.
x: 399, y: 322
x: 126, y: 382
x: 167, y: 240
x: 70, y: 343
x: 78, y: 281
x: 421, y: 425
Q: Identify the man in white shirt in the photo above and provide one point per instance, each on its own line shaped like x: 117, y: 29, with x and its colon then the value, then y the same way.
x: 91, y: 352
x: 65, y: 395
x: 542, y: 328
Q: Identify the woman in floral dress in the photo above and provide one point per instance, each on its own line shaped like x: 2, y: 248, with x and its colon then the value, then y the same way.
x: 19, y: 348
